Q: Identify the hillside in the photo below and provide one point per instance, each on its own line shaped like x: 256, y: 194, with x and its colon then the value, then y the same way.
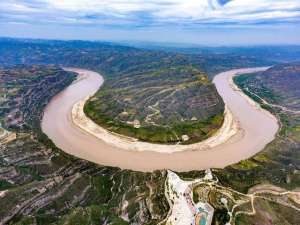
x: 159, y: 105
x: 26, y: 89
x: 282, y: 84
x: 112, y: 59
x: 279, y: 162
x: 40, y: 184
x: 169, y: 98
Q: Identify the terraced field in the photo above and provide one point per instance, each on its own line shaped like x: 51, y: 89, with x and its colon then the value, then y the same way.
x: 279, y: 86
x: 169, y: 104
x: 24, y: 90
x: 39, y: 184
x: 279, y: 162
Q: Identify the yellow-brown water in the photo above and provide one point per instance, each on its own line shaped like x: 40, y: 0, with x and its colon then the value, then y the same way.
x: 258, y: 128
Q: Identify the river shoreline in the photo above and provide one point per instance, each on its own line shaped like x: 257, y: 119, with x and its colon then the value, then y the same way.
x: 237, y: 139
x: 229, y: 129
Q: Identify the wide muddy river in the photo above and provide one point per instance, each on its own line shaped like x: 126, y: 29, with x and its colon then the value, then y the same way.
x: 257, y: 128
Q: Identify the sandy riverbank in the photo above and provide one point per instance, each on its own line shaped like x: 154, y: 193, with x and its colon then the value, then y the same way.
x: 229, y: 128
x: 6, y: 136
x: 242, y: 135
x: 249, y: 100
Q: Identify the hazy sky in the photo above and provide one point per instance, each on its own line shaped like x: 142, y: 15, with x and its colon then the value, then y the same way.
x: 204, y: 22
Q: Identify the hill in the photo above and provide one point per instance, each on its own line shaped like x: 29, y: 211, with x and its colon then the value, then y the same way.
x: 159, y: 105
x: 282, y: 83
x: 164, y: 94
x: 39, y: 184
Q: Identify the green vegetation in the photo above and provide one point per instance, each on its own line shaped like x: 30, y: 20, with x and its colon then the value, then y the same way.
x: 155, y: 88
x: 245, y: 164
x: 91, y: 215
x: 159, y: 105
x: 27, y: 170
x: 102, y: 185
x: 197, y: 131
x: 256, y: 91
x: 54, y: 188
x: 26, y: 220
x: 221, y: 217
x: 51, y: 185
x: 5, y: 185
x: 278, y: 162
x: 270, y: 213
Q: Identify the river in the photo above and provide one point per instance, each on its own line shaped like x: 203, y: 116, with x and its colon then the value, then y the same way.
x: 257, y: 128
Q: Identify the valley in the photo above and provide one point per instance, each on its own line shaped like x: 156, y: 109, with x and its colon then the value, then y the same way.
x: 88, y: 141
x: 41, y: 184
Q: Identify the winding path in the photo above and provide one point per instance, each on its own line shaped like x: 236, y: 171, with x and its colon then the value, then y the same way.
x: 257, y: 128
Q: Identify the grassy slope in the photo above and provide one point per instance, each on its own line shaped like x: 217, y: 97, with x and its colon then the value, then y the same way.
x: 278, y: 163
x: 163, y: 100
